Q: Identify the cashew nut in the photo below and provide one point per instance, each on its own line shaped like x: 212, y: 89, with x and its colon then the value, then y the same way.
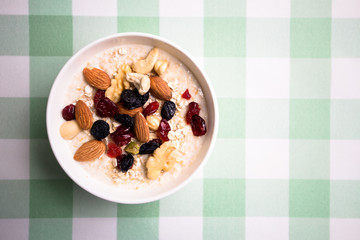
x: 161, y: 66
x: 140, y: 81
x: 153, y: 122
x: 146, y: 65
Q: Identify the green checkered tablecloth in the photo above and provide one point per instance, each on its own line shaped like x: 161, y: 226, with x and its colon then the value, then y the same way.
x: 287, y: 159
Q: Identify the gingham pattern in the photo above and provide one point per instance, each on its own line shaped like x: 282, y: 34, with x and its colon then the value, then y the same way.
x: 287, y: 159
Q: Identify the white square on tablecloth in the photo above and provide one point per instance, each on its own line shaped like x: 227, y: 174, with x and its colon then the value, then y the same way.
x: 94, y: 228
x: 184, y: 8
x: 345, y: 78
x: 94, y: 8
x: 15, y: 159
x: 344, y: 229
x: 266, y: 8
x: 14, y: 7
x: 345, y: 8
x: 180, y: 228
x: 14, y: 76
x: 266, y: 228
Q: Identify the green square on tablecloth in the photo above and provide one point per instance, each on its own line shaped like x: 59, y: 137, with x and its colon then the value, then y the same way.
x: 50, y: 7
x: 141, y: 8
x: 139, y: 24
x: 14, y: 200
x: 43, y: 71
x: 225, y: 8
x: 309, y: 198
x: 345, y: 38
x: 224, y: 37
x: 38, y: 117
x: 11, y: 127
x: 50, y: 228
x: 224, y: 198
x: 311, y: 8
x: 310, y: 37
x: 138, y: 210
x: 215, y: 228
x: 309, y: 159
x: 51, y: 36
x: 232, y: 118
x: 345, y: 199
x: 309, y: 119
x: 137, y: 228
x: 345, y: 116
x: 310, y: 78
x: 14, y: 35
x: 51, y: 198
x: 309, y: 229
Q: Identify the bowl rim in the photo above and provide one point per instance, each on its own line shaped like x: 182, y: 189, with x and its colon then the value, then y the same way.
x: 212, y: 96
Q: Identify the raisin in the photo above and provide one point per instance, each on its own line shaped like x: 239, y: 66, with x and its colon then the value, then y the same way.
x: 106, y: 108
x: 113, y: 150
x: 151, y: 108
x: 164, y: 129
x: 198, y: 125
x: 168, y: 110
x: 186, y: 94
x: 149, y: 147
x: 124, y: 119
x: 100, y: 94
x: 100, y: 129
x: 124, y: 162
x: 193, y: 109
x: 68, y: 113
x: 133, y: 99
x: 132, y: 148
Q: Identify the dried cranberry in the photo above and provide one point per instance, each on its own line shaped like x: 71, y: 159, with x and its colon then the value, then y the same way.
x: 100, y: 94
x: 193, y: 109
x: 123, y: 129
x: 113, y: 150
x: 68, y: 113
x: 121, y: 140
x: 151, y: 108
x: 124, y: 162
x: 198, y: 125
x: 186, y: 94
x: 106, y: 108
x: 164, y: 129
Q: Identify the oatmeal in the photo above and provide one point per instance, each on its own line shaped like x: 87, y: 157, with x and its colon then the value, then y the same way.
x: 135, y: 115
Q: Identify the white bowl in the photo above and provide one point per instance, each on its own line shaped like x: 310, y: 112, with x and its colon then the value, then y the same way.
x: 62, y: 150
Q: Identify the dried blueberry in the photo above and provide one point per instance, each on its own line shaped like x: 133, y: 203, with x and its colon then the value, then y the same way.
x: 124, y: 162
x: 133, y: 99
x: 168, y: 110
x: 124, y: 119
x: 149, y: 147
x: 100, y: 129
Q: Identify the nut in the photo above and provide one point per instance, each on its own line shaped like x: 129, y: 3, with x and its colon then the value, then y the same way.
x: 141, y: 128
x: 132, y: 148
x: 161, y: 66
x: 118, y: 84
x: 160, y: 89
x: 146, y: 65
x: 162, y: 159
x: 69, y: 129
x: 90, y: 150
x: 131, y: 113
x: 83, y: 115
x: 140, y: 81
x: 97, y: 78
x: 153, y: 122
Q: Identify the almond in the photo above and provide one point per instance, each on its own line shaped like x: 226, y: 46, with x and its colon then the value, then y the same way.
x: 141, y: 128
x: 160, y: 89
x: 131, y: 113
x: 90, y: 151
x: 83, y: 115
x: 97, y: 78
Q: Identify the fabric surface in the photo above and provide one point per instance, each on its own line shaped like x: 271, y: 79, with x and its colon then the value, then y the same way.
x: 287, y: 159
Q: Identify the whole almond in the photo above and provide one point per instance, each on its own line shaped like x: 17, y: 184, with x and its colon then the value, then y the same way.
x: 141, y: 128
x: 160, y: 89
x: 97, y: 78
x: 90, y: 150
x: 132, y: 112
x: 83, y: 115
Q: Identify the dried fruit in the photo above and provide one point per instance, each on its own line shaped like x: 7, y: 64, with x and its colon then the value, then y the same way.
x: 100, y: 94
x: 193, y: 109
x: 106, y: 108
x: 160, y: 89
x: 124, y: 119
x: 97, y: 78
x: 151, y: 108
x: 124, y: 162
x: 141, y: 128
x: 168, y: 110
x: 113, y: 150
x: 122, y: 135
x: 83, y: 115
x: 163, y: 159
x: 146, y: 65
x: 90, y: 151
x: 69, y: 129
x: 149, y: 147
x: 198, y: 125
x: 153, y: 122
x: 133, y: 99
x: 68, y: 113
x: 132, y: 148
x: 100, y: 129
x: 164, y: 129
x: 131, y: 113
x: 186, y: 94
